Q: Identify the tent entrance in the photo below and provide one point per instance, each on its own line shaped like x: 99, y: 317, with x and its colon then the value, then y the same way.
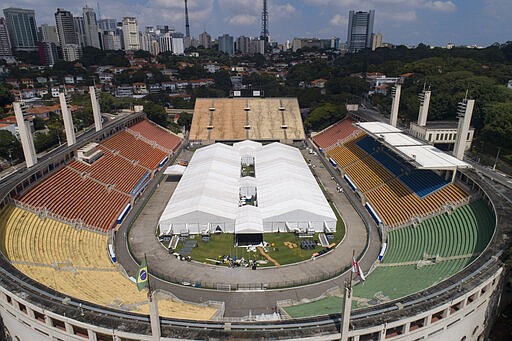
x: 246, y: 239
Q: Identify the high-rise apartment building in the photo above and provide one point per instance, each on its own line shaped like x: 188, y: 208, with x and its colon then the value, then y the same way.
x: 205, y: 40
x: 65, y: 27
x: 226, y: 44
x: 376, y: 41
x: 360, y: 30
x: 91, y: 28
x: 5, y: 42
x: 112, y: 40
x: 107, y: 24
x: 49, y: 52
x: 22, y: 28
x: 49, y: 34
x: 243, y: 44
x: 78, y: 22
x: 130, y: 33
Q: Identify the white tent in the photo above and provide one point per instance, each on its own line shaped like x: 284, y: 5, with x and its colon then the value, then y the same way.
x: 211, y: 192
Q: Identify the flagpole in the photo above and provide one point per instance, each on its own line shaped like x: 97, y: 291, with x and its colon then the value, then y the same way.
x: 154, y: 316
x: 352, y: 268
x: 149, y: 281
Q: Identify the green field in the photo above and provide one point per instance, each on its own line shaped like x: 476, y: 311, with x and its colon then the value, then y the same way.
x: 324, y: 306
x: 221, y: 245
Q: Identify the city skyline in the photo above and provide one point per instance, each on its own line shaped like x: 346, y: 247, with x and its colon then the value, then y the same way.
x: 433, y: 22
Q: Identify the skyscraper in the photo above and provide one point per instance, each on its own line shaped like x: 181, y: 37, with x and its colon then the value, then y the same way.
x: 243, y: 44
x: 5, y: 43
x: 360, y: 30
x: 65, y: 27
x: 49, y: 34
x: 130, y: 33
x: 78, y: 22
x: 107, y: 24
x: 205, y: 40
x: 91, y: 28
x: 226, y: 44
x: 22, y: 28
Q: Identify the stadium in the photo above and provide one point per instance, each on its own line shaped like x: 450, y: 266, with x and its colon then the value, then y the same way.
x: 428, y: 231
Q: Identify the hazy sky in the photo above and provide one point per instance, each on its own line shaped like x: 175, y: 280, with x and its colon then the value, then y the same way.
x: 434, y: 22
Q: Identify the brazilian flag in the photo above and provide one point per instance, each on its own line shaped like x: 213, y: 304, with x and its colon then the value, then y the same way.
x: 142, y: 275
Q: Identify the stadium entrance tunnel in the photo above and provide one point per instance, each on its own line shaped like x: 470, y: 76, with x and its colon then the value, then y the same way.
x: 247, y: 239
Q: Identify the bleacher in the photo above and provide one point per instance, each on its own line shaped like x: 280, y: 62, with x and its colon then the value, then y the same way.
x: 465, y: 231
x: 76, y: 263
x: 456, y: 238
x: 159, y: 135
x: 421, y: 182
x: 75, y: 197
x: 135, y: 149
x: 396, y: 190
x: 337, y: 132
x: 113, y: 170
x: 396, y: 204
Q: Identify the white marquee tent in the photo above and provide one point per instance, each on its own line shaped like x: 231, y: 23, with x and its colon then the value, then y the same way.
x: 209, y: 195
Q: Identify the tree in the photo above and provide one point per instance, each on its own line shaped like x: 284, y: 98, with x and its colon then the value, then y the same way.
x: 10, y: 147
x: 156, y: 113
x: 5, y: 95
x: 185, y: 120
x: 324, y: 115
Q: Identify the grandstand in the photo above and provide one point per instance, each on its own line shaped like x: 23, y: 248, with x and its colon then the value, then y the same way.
x: 69, y: 194
x: 398, y: 191
x: 336, y: 134
x: 94, y: 194
x: 76, y: 263
x: 237, y: 119
x: 156, y: 134
x: 135, y: 149
x: 418, y: 257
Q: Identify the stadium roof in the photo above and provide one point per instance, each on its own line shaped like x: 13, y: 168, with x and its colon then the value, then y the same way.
x: 212, y: 190
x: 418, y: 153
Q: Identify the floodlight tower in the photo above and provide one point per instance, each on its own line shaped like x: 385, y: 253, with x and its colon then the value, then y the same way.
x: 397, y: 89
x: 26, y: 137
x: 67, y: 118
x: 96, y: 111
x: 424, y: 98
x: 464, y: 113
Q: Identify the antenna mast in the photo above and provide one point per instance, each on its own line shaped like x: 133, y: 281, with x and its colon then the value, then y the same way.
x: 187, y: 24
x: 264, y: 23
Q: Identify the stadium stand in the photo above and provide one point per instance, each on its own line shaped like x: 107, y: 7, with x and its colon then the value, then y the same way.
x: 396, y: 190
x: 422, y: 182
x: 113, y: 170
x: 76, y: 263
x: 135, y: 149
x: 397, y: 205
x: 456, y: 239
x: 159, y: 135
x: 77, y: 197
x: 337, y: 132
x: 466, y: 231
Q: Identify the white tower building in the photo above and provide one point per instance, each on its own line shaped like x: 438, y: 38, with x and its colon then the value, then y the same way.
x: 68, y: 120
x: 397, y: 89
x: 464, y: 112
x: 26, y: 137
